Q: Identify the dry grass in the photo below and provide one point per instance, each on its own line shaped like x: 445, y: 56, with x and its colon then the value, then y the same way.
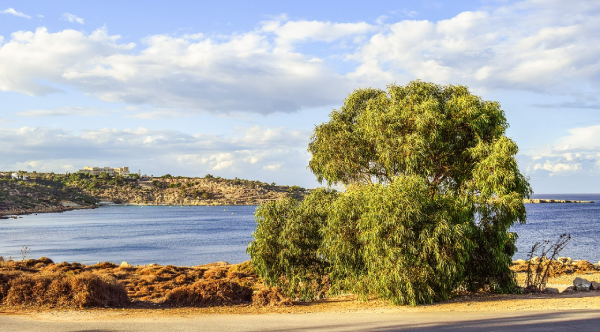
x: 77, y: 291
x: 558, y: 269
x: 43, y: 283
x: 206, y: 293
x: 270, y: 296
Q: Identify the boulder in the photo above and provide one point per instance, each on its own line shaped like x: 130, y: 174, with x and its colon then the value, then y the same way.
x: 569, y: 289
x: 564, y: 260
x: 551, y: 290
x: 581, y: 284
x: 125, y: 264
x: 595, y: 285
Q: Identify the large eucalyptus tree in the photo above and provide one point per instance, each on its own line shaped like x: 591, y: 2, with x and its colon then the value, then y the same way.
x: 432, y: 190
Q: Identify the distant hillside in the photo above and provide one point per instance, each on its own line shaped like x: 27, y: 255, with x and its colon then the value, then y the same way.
x: 40, y: 194
x: 46, y: 192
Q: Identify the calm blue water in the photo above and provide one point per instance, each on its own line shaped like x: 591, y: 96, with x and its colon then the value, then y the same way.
x: 139, y: 235
x: 204, y: 234
x: 549, y: 221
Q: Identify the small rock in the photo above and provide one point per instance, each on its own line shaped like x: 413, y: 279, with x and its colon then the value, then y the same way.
x: 125, y: 264
x: 581, y: 284
x: 551, y: 290
x: 595, y: 285
x: 569, y: 289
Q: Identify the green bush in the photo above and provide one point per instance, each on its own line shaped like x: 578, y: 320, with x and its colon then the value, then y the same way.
x: 399, y: 243
x: 288, y: 237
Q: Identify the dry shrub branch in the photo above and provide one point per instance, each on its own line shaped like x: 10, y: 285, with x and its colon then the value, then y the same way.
x: 539, y: 268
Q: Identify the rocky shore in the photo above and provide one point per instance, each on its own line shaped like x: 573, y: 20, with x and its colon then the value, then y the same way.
x: 541, y: 200
x: 8, y: 213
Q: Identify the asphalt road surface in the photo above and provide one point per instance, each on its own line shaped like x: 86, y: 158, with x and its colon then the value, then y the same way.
x: 572, y: 320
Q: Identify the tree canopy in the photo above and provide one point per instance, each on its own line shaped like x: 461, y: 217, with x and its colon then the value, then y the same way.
x: 433, y: 187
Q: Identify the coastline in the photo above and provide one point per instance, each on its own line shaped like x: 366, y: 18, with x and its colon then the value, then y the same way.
x: 70, y: 206
x: 547, y: 200
x: 13, y: 213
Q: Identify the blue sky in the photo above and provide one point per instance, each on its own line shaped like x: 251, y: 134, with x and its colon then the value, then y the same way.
x: 235, y: 88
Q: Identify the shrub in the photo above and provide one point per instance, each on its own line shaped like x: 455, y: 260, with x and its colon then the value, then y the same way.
x: 288, y: 236
x: 270, y: 296
x: 205, y: 293
x: 397, y: 243
x: 79, y: 291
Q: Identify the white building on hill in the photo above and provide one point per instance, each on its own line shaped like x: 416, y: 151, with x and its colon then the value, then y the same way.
x: 123, y: 171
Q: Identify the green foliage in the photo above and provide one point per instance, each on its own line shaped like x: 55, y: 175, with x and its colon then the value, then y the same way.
x: 287, y: 239
x: 405, y: 245
x: 432, y: 190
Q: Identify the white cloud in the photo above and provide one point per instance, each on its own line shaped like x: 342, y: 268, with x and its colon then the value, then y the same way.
x: 12, y: 11
x: 29, y: 57
x: 581, y: 139
x: 240, y: 73
x: 285, y: 66
x: 577, y: 152
x: 541, y: 46
x: 72, y: 18
x: 273, y: 167
x: 291, y: 32
x: 63, y: 111
x: 557, y: 168
x: 410, y: 13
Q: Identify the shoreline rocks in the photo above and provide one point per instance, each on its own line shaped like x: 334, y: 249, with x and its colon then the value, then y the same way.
x: 5, y: 214
x: 543, y: 200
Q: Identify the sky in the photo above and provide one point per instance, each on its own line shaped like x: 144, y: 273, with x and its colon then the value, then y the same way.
x: 236, y: 88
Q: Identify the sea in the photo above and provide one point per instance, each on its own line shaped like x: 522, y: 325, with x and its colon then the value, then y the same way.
x: 195, y: 235
x: 547, y: 221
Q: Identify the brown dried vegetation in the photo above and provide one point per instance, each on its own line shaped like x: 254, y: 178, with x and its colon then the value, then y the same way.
x: 209, y: 293
x: 557, y: 268
x: 270, y: 296
x: 43, y: 283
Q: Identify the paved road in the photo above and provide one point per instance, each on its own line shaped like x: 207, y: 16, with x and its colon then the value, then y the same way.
x: 573, y: 320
